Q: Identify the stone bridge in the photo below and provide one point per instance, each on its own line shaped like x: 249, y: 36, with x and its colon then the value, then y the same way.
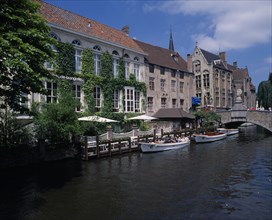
x: 261, y: 118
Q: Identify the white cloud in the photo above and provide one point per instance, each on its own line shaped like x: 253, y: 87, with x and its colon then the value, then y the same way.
x: 268, y: 60
x: 236, y: 24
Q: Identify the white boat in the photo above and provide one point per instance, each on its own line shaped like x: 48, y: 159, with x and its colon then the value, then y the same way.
x: 210, y: 137
x: 162, y: 146
x: 230, y: 131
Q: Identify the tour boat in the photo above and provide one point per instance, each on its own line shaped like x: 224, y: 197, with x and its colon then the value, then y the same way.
x: 163, y: 146
x: 209, y: 137
x: 230, y: 131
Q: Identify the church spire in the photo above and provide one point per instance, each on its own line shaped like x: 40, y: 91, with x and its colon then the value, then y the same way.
x: 171, y: 43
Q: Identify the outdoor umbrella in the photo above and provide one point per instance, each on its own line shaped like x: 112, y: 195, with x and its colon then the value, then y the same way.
x: 142, y: 117
x: 95, y: 118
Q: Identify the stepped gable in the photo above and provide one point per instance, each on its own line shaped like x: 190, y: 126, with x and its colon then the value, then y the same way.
x: 163, y: 57
x: 77, y: 23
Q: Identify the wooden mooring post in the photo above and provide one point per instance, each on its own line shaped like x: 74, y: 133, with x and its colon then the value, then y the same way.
x: 86, y: 148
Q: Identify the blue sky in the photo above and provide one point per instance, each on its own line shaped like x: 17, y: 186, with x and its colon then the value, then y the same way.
x: 242, y: 28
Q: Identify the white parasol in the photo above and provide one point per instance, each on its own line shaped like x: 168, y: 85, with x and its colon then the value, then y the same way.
x: 142, y: 117
x: 95, y: 118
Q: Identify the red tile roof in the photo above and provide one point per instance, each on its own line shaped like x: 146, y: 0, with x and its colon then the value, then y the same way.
x: 74, y: 22
x: 162, y: 57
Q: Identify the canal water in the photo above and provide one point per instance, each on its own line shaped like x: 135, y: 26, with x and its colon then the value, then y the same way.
x: 229, y: 179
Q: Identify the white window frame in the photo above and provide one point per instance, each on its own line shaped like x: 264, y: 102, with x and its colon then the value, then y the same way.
x: 129, y: 99
x: 97, y: 64
x: 137, y: 96
x: 136, y: 71
x: 116, y: 100
x: 51, y: 94
x: 115, y: 67
x: 78, y: 60
x: 97, y: 97
x: 77, y: 93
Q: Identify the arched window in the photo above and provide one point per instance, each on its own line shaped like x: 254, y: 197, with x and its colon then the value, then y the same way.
x: 97, y: 48
x: 136, y: 58
x: 126, y: 56
x: 115, y: 53
x: 76, y: 42
x: 55, y: 36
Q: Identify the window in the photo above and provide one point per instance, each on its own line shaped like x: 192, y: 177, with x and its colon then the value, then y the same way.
x: 136, y: 71
x: 76, y: 42
x: 127, y: 69
x: 163, y: 85
x: 97, y: 48
x: 197, y: 66
x: 206, y: 79
x: 126, y: 56
x: 97, y: 64
x: 78, y: 60
x: 115, y: 53
x: 77, y: 92
x: 151, y: 68
x: 173, y: 85
x: 24, y: 100
x: 163, y: 103
x: 55, y: 36
x: 137, y: 101
x: 150, y: 104
x: 116, y: 100
x: 174, y: 103
x: 198, y: 82
x: 151, y: 83
x: 181, y: 85
x: 97, y: 97
x: 162, y: 70
x: 115, y: 67
x: 173, y: 73
x: 181, y: 103
x: 129, y: 99
x: 181, y: 75
x: 51, y: 94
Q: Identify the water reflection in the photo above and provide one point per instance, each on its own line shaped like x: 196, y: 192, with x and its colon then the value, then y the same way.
x: 229, y: 179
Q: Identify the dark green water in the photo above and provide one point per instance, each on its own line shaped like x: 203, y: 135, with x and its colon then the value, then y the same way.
x: 229, y: 179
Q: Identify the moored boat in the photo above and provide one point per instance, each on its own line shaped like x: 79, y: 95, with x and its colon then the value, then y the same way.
x: 209, y: 137
x: 230, y: 131
x: 163, y: 146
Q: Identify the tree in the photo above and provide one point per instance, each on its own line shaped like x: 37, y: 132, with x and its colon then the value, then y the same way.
x: 209, y: 118
x: 25, y: 46
x: 58, y: 121
x: 265, y: 93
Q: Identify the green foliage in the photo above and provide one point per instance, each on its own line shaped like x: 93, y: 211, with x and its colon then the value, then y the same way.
x: 25, y: 46
x: 122, y: 70
x: 106, y: 66
x: 12, y: 134
x: 65, y: 59
x: 58, y: 121
x: 264, y: 94
x: 209, y: 118
x: 87, y: 68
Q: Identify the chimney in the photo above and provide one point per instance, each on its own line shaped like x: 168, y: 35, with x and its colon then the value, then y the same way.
x: 189, y: 62
x: 125, y: 29
x: 235, y: 64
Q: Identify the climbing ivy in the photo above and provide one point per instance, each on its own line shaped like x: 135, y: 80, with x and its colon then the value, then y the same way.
x: 65, y: 59
x: 106, y: 81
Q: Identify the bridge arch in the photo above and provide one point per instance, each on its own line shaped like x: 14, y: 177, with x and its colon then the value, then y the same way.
x: 261, y: 118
